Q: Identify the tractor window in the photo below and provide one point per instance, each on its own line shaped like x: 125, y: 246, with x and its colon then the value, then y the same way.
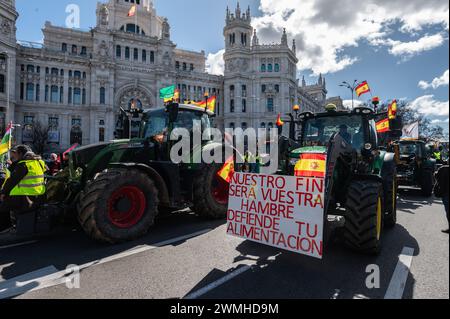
x: 155, y: 123
x: 319, y: 131
x: 408, y: 149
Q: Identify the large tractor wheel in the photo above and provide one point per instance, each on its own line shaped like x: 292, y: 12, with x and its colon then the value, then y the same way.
x: 211, y: 193
x: 427, y: 182
x: 118, y: 205
x: 364, y: 219
x: 390, y: 185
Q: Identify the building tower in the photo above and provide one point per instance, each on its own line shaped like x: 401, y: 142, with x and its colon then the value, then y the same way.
x: 8, y: 17
x: 238, y: 34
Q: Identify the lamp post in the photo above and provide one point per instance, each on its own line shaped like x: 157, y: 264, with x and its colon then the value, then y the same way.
x: 352, y: 88
x: 8, y: 66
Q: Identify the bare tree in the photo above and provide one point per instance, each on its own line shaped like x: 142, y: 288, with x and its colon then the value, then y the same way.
x: 40, y: 137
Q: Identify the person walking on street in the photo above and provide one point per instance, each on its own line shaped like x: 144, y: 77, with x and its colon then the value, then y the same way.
x: 441, y: 189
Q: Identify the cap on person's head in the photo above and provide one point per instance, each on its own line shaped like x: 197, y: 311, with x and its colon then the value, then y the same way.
x: 21, y: 149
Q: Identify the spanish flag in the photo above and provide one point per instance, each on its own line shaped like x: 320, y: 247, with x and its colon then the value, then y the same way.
x: 227, y: 170
x: 363, y: 88
x: 393, y: 107
x: 211, y: 104
x: 311, y: 165
x: 383, y: 126
x: 5, y: 144
x: 279, y: 121
x: 132, y: 11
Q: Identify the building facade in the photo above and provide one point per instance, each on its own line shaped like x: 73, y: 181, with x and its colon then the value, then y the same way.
x: 76, y: 82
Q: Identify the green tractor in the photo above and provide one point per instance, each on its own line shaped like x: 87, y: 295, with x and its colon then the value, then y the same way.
x: 116, y: 190
x: 416, y: 167
x: 361, y: 177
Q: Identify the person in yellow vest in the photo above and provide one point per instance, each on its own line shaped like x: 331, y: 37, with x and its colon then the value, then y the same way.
x: 25, y: 187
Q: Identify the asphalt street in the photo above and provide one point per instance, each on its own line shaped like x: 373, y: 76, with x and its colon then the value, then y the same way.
x: 186, y: 257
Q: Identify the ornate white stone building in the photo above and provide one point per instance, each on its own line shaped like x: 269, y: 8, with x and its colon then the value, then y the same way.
x: 77, y: 81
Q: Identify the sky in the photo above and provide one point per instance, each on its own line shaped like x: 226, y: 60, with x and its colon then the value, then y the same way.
x: 401, y: 47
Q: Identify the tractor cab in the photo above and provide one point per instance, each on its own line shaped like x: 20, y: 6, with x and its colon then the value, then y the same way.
x: 161, y: 121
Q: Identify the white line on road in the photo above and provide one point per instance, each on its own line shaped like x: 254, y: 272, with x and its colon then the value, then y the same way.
x: 50, y: 276
x: 217, y: 283
x: 19, y: 244
x: 399, y: 278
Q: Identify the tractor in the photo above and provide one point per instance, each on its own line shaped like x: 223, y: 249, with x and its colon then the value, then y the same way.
x: 415, y: 166
x: 116, y: 190
x: 361, y: 177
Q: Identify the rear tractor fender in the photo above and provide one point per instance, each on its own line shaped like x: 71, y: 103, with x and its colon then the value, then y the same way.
x: 160, y: 184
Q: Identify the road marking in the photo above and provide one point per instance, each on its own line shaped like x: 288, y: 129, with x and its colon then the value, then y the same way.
x: 27, y: 282
x: 50, y: 276
x: 217, y: 283
x: 399, y: 278
x: 19, y: 244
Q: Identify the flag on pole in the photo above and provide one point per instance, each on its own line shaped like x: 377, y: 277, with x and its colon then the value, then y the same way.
x: 383, y: 126
x: 363, y: 88
x: 167, y: 93
x: 132, y: 11
x: 411, y: 131
x: 5, y: 144
x: 393, y: 107
x: 211, y: 103
x: 227, y: 170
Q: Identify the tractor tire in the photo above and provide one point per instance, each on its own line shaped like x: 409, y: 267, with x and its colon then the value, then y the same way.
x: 118, y: 205
x: 210, y: 193
x: 427, y: 182
x: 364, y: 218
x: 390, y: 185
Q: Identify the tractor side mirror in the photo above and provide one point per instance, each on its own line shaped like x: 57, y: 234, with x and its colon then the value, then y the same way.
x: 173, y: 110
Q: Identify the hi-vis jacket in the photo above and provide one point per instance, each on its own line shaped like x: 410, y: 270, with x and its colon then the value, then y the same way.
x: 33, y: 184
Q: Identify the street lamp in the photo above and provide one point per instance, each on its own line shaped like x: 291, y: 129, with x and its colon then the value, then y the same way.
x: 8, y: 66
x: 352, y: 88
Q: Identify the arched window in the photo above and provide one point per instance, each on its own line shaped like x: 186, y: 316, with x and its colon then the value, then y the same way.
x: 118, y: 51
x: 127, y: 53
x: 232, y: 106
x: 74, y: 49
x: 61, y: 72
x: 277, y: 67
x: 263, y: 125
x: 69, y: 96
x: 244, y: 106
x: 77, y: 74
x: 136, y: 54
x: 76, y: 134
x: 38, y: 93
x: 270, y: 67
x: 30, y: 68
x: 30, y: 92
x: 102, y: 95
x: 263, y: 67
x: 144, y: 56
x: 232, y: 125
x: 55, y: 71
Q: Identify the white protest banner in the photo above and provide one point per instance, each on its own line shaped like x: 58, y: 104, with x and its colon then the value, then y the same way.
x: 280, y: 211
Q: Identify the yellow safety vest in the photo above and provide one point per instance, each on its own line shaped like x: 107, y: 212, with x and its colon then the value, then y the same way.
x: 33, y: 184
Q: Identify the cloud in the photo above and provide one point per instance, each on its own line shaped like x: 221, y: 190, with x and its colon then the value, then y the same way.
x: 428, y: 106
x: 409, y: 49
x: 436, y: 83
x: 325, y: 29
x: 215, y: 63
